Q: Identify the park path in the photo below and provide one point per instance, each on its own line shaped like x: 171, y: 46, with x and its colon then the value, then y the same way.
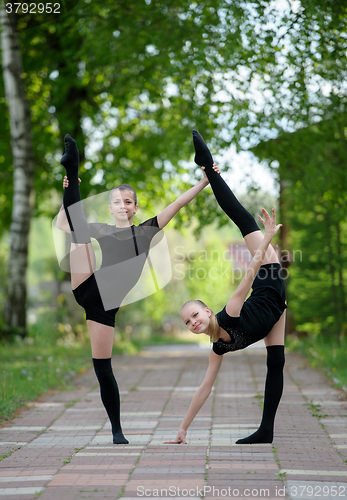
x: 60, y: 448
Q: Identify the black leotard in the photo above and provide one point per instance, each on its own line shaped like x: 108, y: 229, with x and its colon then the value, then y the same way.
x: 259, y: 313
x: 119, y: 244
x: 267, y: 302
x: 124, y: 253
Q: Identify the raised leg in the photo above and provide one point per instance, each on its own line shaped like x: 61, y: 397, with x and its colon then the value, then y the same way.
x: 72, y: 198
x: 253, y: 241
x: 224, y: 196
x: 229, y: 203
x: 101, y: 338
x: 82, y: 258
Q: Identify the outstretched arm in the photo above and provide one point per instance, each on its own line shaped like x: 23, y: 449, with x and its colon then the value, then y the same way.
x: 199, y: 399
x: 235, y: 304
x: 170, y: 211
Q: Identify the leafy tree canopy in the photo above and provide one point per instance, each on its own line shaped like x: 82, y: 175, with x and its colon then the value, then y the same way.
x: 129, y: 80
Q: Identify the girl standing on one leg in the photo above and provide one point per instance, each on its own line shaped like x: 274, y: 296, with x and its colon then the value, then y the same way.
x: 123, y: 244
x: 242, y: 322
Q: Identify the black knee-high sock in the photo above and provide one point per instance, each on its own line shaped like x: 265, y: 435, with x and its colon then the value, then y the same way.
x: 79, y: 227
x: 110, y: 397
x: 225, y: 197
x: 272, y: 396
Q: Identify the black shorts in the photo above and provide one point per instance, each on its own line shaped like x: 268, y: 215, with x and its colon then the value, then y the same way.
x: 88, y: 296
x: 266, y: 304
x: 269, y: 280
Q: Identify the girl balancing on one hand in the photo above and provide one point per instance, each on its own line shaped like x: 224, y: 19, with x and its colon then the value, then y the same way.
x: 242, y: 322
x: 124, y: 248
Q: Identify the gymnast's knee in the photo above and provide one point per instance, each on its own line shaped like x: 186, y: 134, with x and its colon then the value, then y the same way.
x: 275, y: 358
x: 103, y: 369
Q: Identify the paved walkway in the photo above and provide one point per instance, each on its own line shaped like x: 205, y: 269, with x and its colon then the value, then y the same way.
x: 61, y: 447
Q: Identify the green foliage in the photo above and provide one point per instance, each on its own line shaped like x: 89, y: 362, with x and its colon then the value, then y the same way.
x: 130, y: 79
x: 314, y: 189
x: 200, y: 269
x: 42, y: 261
x: 117, y: 78
x: 3, y: 262
x: 324, y: 351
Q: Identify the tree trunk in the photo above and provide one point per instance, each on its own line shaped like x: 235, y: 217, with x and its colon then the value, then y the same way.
x: 23, y: 160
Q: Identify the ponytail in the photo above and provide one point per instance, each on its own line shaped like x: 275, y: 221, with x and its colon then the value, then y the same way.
x: 214, y: 326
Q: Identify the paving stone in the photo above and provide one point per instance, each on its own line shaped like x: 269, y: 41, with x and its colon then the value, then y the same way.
x: 61, y: 446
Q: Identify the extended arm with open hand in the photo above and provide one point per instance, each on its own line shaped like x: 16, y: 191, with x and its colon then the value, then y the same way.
x: 199, y: 399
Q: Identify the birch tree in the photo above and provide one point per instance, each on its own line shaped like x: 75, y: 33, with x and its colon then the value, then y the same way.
x: 23, y: 161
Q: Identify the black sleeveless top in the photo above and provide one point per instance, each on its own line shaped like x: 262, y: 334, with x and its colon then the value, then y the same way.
x: 119, y: 244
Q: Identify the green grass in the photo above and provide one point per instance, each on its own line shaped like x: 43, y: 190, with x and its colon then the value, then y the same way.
x: 324, y: 351
x: 28, y: 371
x: 50, y: 357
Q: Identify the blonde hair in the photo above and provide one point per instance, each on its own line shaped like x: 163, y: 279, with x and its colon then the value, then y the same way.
x: 214, y: 326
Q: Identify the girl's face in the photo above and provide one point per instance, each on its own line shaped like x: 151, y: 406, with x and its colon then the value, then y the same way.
x: 196, y: 318
x: 123, y: 206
